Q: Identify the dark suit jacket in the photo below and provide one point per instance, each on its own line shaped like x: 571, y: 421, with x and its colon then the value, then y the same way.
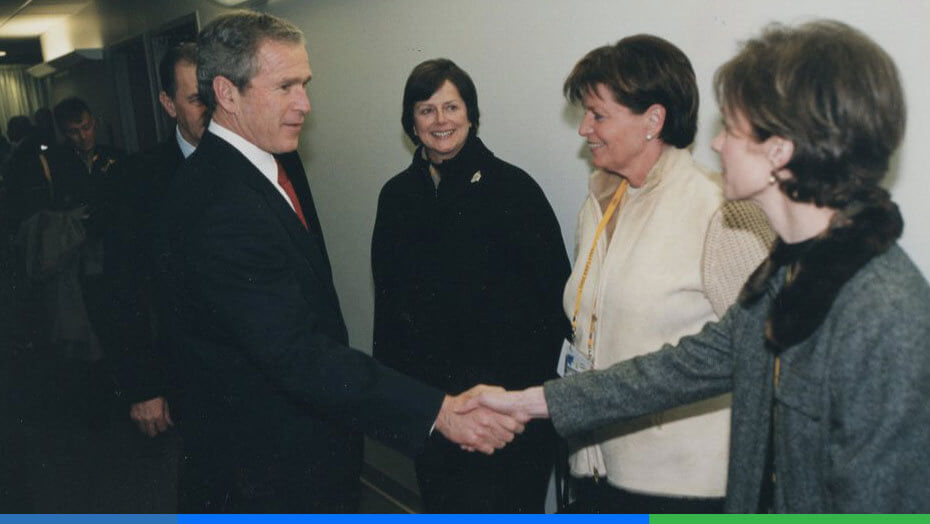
x: 141, y: 365
x: 272, y: 399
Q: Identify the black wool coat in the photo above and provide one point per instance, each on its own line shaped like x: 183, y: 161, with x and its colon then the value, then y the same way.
x: 468, y: 275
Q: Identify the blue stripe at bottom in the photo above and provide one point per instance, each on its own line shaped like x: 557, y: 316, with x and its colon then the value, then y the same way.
x: 89, y: 519
x: 407, y: 519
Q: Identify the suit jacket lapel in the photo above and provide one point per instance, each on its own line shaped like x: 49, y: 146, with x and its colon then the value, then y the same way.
x: 311, y: 245
x: 178, y: 155
x: 295, y: 171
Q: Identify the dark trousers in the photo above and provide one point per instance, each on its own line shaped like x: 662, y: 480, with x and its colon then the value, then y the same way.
x: 600, y: 497
x: 513, y: 480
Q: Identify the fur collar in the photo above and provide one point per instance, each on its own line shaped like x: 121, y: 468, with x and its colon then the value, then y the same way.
x: 855, y: 235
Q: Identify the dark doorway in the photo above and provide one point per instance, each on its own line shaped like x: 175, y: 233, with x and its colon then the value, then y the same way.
x: 135, y: 71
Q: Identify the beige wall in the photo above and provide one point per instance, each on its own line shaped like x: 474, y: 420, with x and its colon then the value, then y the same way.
x: 127, y: 18
x: 106, y: 22
x: 81, y: 30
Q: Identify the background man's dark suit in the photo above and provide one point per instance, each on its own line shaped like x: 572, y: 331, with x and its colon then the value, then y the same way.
x: 140, y: 364
x: 272, y: 397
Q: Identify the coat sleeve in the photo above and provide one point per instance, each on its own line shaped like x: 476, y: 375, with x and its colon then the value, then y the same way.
x: 535, y: 240
x: 241, y: 271
x: 879, y: 379
x: 387, y: 343
x: 699, y: 366
x: 129, y: 272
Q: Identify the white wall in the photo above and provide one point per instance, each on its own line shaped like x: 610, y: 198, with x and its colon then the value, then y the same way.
x: 518, y: 52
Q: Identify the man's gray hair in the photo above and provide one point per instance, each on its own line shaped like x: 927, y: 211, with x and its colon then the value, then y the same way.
x: 228, y: 46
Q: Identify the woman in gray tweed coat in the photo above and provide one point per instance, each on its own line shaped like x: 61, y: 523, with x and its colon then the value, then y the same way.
x: 827, y: 352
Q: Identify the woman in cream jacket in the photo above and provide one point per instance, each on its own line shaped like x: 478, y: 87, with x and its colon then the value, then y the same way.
x: 657, y: 257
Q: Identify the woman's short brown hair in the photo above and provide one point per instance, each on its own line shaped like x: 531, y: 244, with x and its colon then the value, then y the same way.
x: 829, y: 89
x: 639, y: 71
x: 425, y: 79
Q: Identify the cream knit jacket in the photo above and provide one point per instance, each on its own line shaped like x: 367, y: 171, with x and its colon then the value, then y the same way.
x: 657, y: 280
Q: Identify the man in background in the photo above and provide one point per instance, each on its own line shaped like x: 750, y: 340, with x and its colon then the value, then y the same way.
x: 84, y: 171
x: 142, y: 370
x: 63, y: 223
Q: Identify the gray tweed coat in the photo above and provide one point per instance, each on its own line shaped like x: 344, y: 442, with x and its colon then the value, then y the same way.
x: 852, y: 430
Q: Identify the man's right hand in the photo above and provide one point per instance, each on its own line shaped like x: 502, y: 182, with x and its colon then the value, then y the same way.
x: 476, y: 428
x: 151, y: 416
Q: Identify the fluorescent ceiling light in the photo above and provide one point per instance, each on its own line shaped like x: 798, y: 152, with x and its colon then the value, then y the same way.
x: 30, y: 25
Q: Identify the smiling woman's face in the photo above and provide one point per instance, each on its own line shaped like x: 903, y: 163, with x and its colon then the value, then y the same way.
x: 441, y: 123
x: 615, y: 135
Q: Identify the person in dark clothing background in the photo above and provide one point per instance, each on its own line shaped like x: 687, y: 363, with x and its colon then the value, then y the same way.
x: 45, y: 125
x: 84, y: 179
x: 469, y: 266
x: 25, y: 181
x: 142, y: 370
x: 84, y: 170
x: 61, y: 196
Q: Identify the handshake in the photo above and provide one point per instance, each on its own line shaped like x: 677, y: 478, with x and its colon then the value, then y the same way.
x: 486, y: 418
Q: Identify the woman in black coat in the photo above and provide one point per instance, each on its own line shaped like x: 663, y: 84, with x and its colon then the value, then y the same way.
x: 469, y: 266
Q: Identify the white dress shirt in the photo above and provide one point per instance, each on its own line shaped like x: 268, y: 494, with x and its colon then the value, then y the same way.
x: 186, y: 147
x: 262, y: 160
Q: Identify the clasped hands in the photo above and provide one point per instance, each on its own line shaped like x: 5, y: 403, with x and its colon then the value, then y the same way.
x: 486, y: 418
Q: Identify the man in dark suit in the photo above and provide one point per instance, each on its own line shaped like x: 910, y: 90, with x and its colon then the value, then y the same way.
x: 142, y: 374
x: 272, y: 400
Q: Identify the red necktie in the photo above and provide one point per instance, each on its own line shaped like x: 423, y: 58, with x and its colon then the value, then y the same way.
x: 285, y: 184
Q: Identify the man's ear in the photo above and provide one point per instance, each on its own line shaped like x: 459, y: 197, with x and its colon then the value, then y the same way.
x: 655, y: 119
x: 779, y: 151
x: 168, y: 104
x: 226, y: 93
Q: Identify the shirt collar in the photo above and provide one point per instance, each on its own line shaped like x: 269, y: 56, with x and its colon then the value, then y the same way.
x: 186, y: 147
x: 262, y: 160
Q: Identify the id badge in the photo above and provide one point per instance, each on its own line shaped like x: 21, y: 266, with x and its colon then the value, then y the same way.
x: 572, y: 361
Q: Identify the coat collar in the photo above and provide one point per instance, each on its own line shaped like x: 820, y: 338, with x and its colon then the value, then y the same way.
x: 857, y: 233
x: 230, y: 162
x: 458, y: 171
x: 602, y: 184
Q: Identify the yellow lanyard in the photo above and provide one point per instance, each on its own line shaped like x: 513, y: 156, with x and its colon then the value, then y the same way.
x: 609, y: 212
